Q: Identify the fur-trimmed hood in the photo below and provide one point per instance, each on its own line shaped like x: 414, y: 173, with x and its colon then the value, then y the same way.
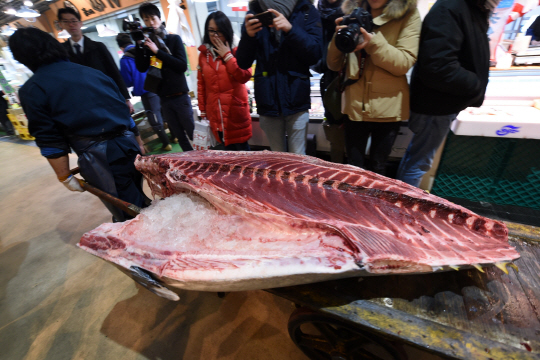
x: 394, y: 9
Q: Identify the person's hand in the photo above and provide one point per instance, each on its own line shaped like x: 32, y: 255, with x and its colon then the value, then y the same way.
x: 338, y: 21
x: 280, y: 22
x: 367, y: 39
x: 141, y: 144
x: 151, y: 45
x: 72, y: 183
x: 221, y: 48
x: 252, y: 25
x: 130, y: 106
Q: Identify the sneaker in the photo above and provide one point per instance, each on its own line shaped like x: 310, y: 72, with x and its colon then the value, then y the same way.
x: 167, y: 148
x: 174, y: 141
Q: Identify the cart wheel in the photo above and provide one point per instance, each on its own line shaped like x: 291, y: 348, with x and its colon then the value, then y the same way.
x: 322, y: 337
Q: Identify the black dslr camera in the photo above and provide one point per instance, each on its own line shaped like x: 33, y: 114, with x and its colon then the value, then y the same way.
x: 136, y: 30
x: 347, y: 38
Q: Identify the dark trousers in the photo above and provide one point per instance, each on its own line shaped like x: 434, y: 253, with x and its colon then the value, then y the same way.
x: 128, y: 181
x: 8, y: 126
x: 152, y: 106
x: 231, y: 147
x: 177, y: 112
x: 383, y: 136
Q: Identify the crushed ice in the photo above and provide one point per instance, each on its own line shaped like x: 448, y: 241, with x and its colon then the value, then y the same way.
x: 187, y: 222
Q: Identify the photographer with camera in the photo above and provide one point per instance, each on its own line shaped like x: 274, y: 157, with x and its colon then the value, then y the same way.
x: 375, y: 45
x: 134, y: 78
x: 285, y: 39
x: 165, y: 51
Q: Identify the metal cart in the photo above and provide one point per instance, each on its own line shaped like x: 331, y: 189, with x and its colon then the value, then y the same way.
x: 459, y: 315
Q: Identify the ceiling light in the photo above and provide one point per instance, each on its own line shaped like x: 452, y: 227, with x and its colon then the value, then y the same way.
x: 10, y: 11
x: 25, y: 12
x: 8, y: 31
x: 237, y: 3
x: 28, y: 3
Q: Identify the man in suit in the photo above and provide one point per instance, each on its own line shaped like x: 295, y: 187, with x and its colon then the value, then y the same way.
x: 90, y: 53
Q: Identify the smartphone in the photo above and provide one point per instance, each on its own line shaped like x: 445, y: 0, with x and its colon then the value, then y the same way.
x: 266, y: 18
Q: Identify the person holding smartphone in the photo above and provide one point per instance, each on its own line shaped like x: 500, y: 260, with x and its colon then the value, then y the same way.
x: 221, y: 89
x: 283, y: 51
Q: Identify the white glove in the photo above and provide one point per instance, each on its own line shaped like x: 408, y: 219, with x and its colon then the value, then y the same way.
x: 72, y: 183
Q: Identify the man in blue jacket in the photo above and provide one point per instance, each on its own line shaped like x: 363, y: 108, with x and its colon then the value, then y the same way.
x: 70, y: 106
x: 134, y: 78
x: 283, y: 51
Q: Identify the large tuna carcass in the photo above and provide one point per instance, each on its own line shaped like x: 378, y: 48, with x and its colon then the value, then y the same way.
x: 252, y: 220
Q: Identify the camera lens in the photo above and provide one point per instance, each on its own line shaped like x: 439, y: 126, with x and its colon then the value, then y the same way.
x: 347, y: 39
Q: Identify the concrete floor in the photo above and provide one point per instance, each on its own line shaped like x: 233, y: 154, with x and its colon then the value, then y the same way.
x: 59, y: 302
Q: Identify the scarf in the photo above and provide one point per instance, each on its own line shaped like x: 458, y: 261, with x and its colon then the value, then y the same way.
x: 158, y: 36
x: 284, y: 7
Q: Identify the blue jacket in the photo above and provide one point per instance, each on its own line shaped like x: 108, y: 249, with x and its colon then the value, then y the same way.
x: 282, y: 77
x: 131, y: 75
x: 64, y: 99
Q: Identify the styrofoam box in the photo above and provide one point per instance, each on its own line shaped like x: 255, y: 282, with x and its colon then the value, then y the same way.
x: 499, y: 121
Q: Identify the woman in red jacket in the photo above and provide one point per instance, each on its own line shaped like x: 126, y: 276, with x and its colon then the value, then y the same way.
x: 223, y: 97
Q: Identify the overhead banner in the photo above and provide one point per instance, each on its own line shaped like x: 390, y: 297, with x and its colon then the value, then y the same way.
x: 90, y: 9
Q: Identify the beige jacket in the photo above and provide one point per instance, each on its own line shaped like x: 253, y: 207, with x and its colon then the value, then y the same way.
x: 382, y: 93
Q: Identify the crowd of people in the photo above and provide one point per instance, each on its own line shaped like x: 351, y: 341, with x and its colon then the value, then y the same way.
x: 78, y: 98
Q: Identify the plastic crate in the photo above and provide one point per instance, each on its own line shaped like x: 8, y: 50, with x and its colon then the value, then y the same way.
x: 499, y: 171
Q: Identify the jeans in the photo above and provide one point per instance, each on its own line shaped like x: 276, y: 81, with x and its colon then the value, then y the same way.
x: 429, y: 133
x: 383, y: 136
x: 178, y: 113
x: 286, y: 132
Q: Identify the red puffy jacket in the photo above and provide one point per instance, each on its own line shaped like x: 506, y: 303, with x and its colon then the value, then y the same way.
x: 223, y: 97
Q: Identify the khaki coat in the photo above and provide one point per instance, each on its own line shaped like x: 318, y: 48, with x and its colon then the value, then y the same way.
x: 382, y: 93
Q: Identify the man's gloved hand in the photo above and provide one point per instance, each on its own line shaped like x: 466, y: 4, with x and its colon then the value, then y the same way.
x: 72, y: 183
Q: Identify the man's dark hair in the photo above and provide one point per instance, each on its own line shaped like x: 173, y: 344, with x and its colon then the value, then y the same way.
x: 149, y: 10
x: 34, y: 48
x: 123, y: 40
x: 68, y: 11
x: 223, y: 24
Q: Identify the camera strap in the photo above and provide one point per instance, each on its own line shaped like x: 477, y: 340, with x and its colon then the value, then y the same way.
x: 362, y: 60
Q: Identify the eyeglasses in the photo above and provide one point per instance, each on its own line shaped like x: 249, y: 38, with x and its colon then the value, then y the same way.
x: 68, y: 22
x: 214, y: 32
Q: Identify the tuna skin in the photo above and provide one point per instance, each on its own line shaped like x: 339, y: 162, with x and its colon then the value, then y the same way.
x: 388, y: 226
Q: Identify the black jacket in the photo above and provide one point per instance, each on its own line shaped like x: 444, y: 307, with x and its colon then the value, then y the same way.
x: 452, y: 70
x: 174, y: 65
x: 96, y: 56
